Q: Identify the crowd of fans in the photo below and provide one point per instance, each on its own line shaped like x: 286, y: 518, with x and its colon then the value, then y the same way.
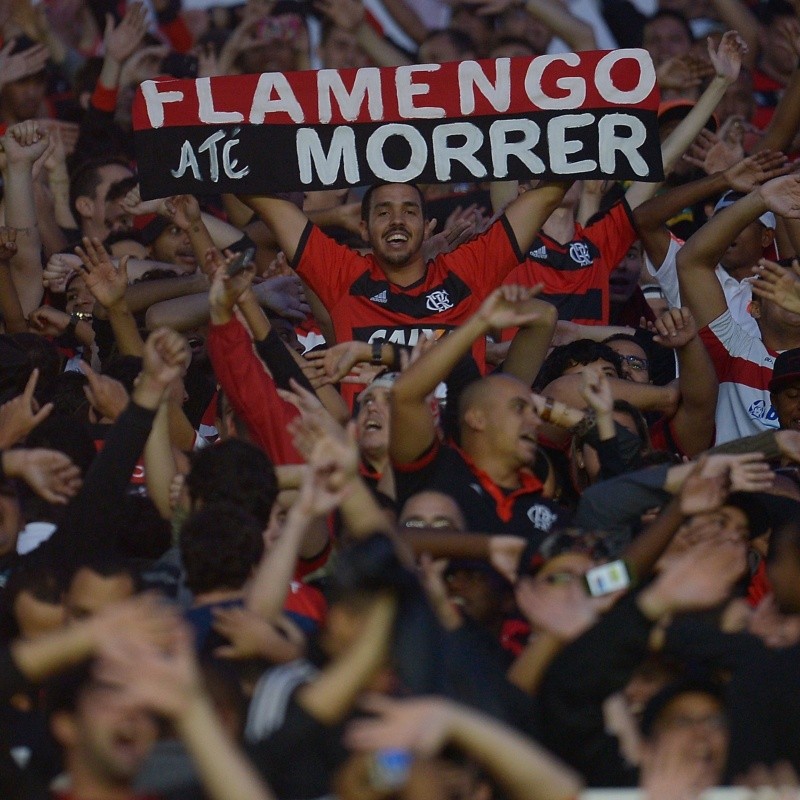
x: 449, y: 491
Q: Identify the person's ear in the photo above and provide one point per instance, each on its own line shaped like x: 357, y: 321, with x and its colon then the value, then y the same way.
x: 767, y: 237
x: 364, y: 228
x: 475, y: 419
x: 63, y: 728
x: 84, y: 206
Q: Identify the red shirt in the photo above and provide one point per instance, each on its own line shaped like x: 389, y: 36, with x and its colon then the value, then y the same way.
x: 576, y: 274
x: 364, y: 305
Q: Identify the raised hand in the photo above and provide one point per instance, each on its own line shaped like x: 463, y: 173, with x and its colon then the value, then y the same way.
x: 121, y: 41
x: 685, y: 71
x: 108, y: 397
x: 782, y: 195
x: 21, y: 65
x: 675, y: 328
x: 252, y: 636
x: 166, y: 356
x: 225, y: 290
x: 705, y: 489
x: 48, y: 321
x: 314, y: 423
x: 24, y: 142
x: 8, y: 243
x: 337, y: 361
x: 699, y: 578
x: 164, y: 680
x: 596, y: 391
x: 750, y: 172
x: 134, y: 205
x: 419, y: 725
x: 49, y: 473
x: 778, y: 284
x: 509, y: 307
x: 19, y: 416
x: 59, y: 269
x: 106, y: 282
x: 183, y: 210
x: 284, y: 295
x: 563, y: 610
x: 347, y: 14
x: 727, y: 58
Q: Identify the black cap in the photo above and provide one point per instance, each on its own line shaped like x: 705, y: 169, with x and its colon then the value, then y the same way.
x: 786, y: 370
x: 764, y: 510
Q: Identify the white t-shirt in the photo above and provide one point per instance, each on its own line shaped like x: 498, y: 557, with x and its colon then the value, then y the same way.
x: 744, y: 369
x: 738, y: 294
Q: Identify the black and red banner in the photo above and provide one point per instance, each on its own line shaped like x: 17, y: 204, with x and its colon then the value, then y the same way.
x: 586, y: 115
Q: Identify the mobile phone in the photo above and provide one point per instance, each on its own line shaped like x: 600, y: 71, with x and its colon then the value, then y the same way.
x: 388, y: 769
x: 607, y: 578
x: 241, y: 262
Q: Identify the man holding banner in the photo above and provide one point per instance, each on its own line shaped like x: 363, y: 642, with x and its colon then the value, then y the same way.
x: 392, y: 294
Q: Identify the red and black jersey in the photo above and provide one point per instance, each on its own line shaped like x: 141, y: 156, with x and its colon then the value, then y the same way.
x: 364, y: 305
x: 766, y: 93
x: 575, y: 275
x: 486, y: 506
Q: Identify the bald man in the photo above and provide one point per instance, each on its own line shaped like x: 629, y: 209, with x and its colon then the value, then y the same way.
x: 490, y: 476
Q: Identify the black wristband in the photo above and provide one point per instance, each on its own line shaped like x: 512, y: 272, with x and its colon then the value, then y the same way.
x: 377, y: 352
x: 72, y: 324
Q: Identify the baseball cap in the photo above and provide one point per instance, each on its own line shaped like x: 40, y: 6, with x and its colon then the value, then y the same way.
x: 150, y: 227
x: 786, y: 370
x: 767, y: 219
x: 676, y: 110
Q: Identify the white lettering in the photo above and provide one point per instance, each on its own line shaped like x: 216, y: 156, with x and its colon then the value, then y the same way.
x: 188, y: 161
x: 155, y: 102
x: 407, y: 91
x: 367, y: 85
x: 210, y: 144
x: 327, y: 165
x: 471, y: 77
x: 611, y: 144
x: 229, y: 164
x: 561, y: 147
x: 207, y: 112
x: 270, y: 83
x: 377, y: 162
x: 575, y: 87
x: 606, y: 87
x: 502, y: 149
x: 444, y: 153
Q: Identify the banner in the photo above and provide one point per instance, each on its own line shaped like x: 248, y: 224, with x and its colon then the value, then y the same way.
x: 586, y: 115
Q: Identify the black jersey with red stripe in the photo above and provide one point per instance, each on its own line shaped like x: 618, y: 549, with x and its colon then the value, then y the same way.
x: 576, y: 274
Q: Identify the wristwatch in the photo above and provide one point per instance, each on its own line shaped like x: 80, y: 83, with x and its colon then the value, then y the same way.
x: 377, y: 352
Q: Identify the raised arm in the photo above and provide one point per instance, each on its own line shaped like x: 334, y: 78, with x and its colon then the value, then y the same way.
x: 284, y: 218
x: 23, y: 144
x: 528, y: 212
x: 424, y: 725
x: 697, y: 260
x: 651, y: 217
x: 693, y: 422
x: 412, y: 421
x: 727, y: 61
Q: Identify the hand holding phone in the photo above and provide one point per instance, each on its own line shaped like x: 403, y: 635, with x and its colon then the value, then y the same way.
x: 240, y: 263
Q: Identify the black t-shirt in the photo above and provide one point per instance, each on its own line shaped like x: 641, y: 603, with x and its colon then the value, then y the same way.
x: 487, y: 507
x: 299, y: 759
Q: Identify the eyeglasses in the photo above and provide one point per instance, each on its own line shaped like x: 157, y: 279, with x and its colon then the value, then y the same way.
x: 438, y: 523
x: 718, y: 722
x: 637, y: 364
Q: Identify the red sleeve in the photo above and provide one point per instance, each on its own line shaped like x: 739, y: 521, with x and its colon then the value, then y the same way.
x: 179, y: 35
x: 612, y: 234
x: 104, y: 98
x: 251, y: 390
x: 328, y: 267
x: 485, y: 262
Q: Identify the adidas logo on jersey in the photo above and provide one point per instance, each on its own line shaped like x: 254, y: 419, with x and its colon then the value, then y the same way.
x: 539, y: 252
x: 380, y: 297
